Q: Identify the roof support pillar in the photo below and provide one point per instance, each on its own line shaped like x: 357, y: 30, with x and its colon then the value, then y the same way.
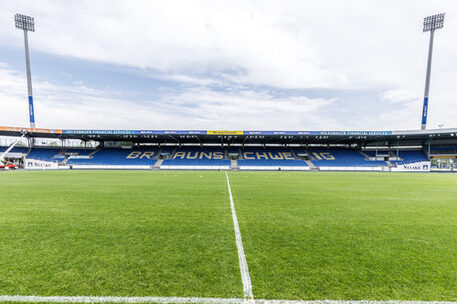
x: 428, y: 150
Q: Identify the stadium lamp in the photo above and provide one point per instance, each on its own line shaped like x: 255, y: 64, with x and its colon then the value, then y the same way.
x: 431, y: 23
x: 27, y: 24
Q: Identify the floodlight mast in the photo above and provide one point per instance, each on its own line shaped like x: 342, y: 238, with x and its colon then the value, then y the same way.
x: 431, y: 23
x: 27, y: 23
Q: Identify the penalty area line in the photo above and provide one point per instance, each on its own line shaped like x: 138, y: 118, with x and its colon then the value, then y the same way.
x: 182, y: 300
x: 245, y: 277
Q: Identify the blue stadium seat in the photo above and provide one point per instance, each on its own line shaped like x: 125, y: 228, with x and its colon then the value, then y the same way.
x: 411, y: 156
x: 109, y: 156
x: 22, y: 150
x: 44, y: 154
x: 269, y: 156
x: 250, y: 157
x: 196, y: 156
x: 341, y: 157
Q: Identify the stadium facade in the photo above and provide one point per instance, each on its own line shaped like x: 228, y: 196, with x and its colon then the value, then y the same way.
x: 236, y: 150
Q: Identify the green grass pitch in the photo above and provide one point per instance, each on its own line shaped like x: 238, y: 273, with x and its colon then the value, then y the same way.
x: 306, y: 236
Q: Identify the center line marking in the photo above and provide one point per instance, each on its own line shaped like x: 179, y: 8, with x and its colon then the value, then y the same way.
x: 245, y: 278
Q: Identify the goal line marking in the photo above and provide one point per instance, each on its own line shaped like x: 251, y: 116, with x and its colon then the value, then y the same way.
x: 181, y: 300
x: 245, y: 277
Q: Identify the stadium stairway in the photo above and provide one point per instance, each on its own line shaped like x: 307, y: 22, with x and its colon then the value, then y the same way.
x: 293, y: 153
x: 92, y: 153
x: 311, y: 166
x: 309, y: 163
x: 364, y: 154
x: 64, y: 162
x: 234, y: 164
x: 172, y: 153
x: 159, y: 152
x: 158, y: 163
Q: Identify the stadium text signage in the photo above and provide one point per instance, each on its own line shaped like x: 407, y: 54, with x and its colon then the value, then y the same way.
x: 31, y: 130
x: 39, y: 164
x: 423, y: 166
x: 268, y: 155
x: 224, y: 132
x: 196, y: 132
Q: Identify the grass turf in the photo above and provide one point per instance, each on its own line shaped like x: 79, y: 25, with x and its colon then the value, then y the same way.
x: 119, y: 233
x: 349, y: 235
x: 306, y: 235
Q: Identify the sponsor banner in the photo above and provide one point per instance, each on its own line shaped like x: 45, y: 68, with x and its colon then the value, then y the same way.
x: 221, y: 132
x: 187, y: 132
x: 445, y: 156
x: 196, y: 132
x: 39, y: 164
x: 32, y: 130
x: 101, y: 132
x: 134, y: 132
x: 31, y: 112
x: 424, y: 111
x: 351, y: 133
x: 320, y: 133
x: 423, y: 166
x: 276, y: 132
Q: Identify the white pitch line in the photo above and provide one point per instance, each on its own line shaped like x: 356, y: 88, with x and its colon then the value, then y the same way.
x: 179, y: 300
x: 95, y: 299
x: 245, y: 277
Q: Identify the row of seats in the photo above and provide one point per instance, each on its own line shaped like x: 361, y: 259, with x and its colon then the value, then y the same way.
x: 410, y: 157
x: 44, y: 154
x: 196, y: 156
x: 218, y: 156
x: 134, y: 157
x: 22, y: 150
x: 341, y: 157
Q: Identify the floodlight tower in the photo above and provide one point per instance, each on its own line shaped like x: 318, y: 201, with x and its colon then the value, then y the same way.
x: 27, y: 24
x: 431, y: 23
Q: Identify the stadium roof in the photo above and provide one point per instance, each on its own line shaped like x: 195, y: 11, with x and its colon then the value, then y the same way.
x: 411, y: 137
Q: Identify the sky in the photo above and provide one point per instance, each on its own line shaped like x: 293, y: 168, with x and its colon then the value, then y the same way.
x: 228, y: 65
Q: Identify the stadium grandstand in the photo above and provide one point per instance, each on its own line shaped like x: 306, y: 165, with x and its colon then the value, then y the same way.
x: 232, y: 150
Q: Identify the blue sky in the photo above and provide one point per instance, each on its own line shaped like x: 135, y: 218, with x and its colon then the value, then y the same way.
x: 252, y: 65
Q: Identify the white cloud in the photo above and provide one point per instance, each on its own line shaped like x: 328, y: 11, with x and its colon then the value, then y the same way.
x: 279, y: 43
x: 399, y: 96
x: 200, y: 107
x: 353, y: 44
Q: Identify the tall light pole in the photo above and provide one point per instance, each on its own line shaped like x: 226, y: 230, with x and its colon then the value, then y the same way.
x: 27, y: 24
x: 431, y: 23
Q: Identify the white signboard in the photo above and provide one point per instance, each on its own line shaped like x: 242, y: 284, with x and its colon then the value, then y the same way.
x: 39, y: 164
x: 423, y: 166
x: 79, y: 157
